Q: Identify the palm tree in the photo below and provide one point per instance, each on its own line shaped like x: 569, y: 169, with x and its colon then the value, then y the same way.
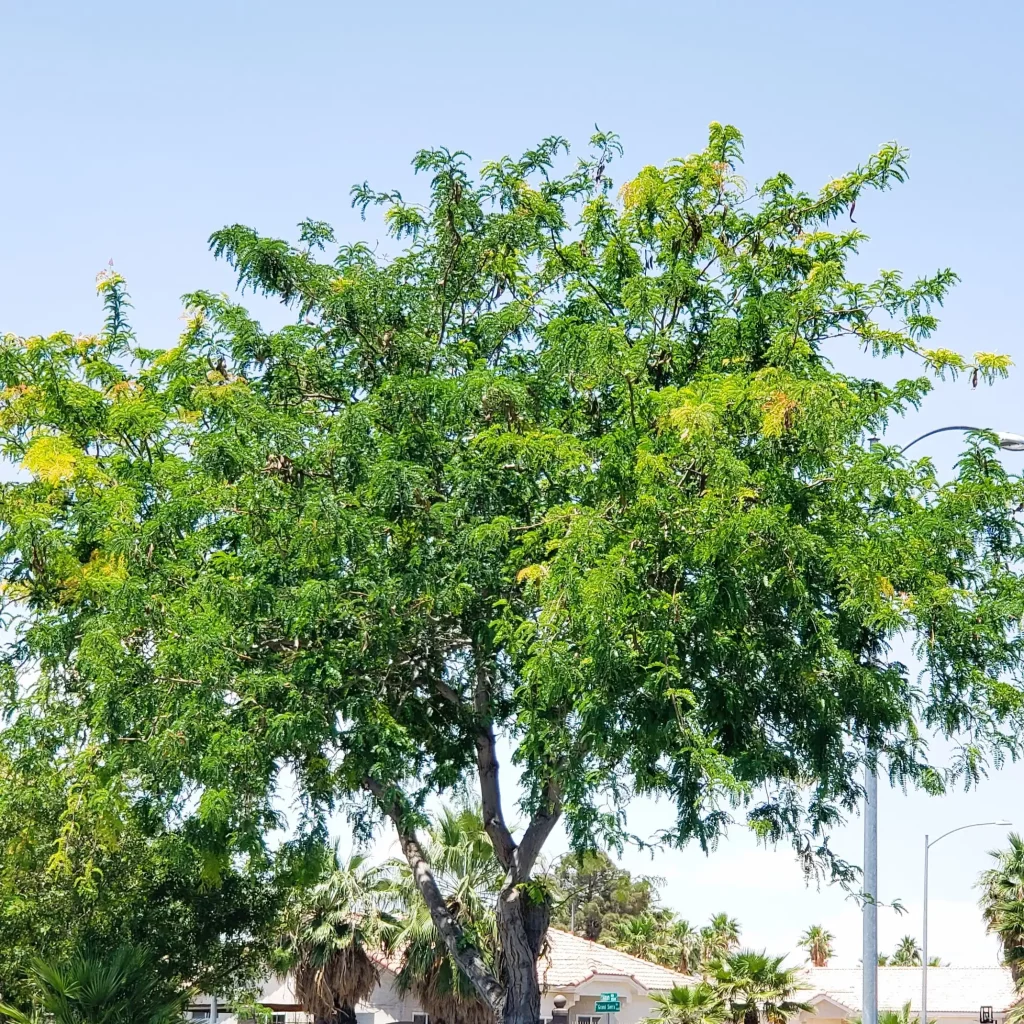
x: 759, y: 989
x: 684, y: 946
x: 639, y: 936
x: 818, y: 943
x: 1002, y: 903
x: 719, y: 937
x: 700, y: 1004
x: 121, y: 987
x: 907, y: 953
x: 462, y: 858
x: 331, y: 931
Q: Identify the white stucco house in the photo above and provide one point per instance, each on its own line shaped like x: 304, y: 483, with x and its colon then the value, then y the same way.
x: 580, y: 970
x: 956, y: 995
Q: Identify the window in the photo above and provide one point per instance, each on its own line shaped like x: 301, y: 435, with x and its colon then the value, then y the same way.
x: 582, y: 1019
x: 365, y: 1018
x: 986, y: 1016
x: 277, y: 1018
x: 420, y: 1018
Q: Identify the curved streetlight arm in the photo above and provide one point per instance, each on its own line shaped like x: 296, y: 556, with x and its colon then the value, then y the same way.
x: 940, y: 430
x: 977, y: 824
x: 1007, y: 441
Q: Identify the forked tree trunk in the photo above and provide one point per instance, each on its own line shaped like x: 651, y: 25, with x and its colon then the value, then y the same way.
x: 522, y: 925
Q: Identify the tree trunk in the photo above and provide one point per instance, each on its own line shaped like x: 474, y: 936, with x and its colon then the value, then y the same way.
x: 522, y: 925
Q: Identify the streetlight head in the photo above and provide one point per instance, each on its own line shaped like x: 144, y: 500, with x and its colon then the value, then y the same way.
x: 1010, y: 442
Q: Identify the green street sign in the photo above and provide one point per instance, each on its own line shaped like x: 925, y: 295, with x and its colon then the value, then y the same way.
x: 608, y: 1006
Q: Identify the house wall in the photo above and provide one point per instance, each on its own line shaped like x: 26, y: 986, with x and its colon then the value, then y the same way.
x: 385, y: 1004
x: 636, y: 1002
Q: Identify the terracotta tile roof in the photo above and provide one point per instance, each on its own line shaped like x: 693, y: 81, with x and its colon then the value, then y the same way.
x: 571, y: 961
x: 950, y: 989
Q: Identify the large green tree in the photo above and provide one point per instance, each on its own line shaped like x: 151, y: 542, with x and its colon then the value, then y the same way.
x: 86, y: 868
x: 567, y: 466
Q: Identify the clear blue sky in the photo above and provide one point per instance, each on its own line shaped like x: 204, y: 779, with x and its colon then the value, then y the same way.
x: 131, y: 130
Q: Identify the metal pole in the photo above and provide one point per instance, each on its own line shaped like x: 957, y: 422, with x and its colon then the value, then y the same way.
x: 870, y: 952
x: 213, y: 1010
x: 924, y: 941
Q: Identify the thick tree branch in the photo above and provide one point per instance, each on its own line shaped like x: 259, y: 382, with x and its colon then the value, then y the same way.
x: 490, y: 799
x: 449, y: 693
x: 464, y: 952
x: 539, y: 829
x: 487, y: 770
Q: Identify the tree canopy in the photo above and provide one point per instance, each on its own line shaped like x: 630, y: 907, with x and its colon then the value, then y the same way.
x: 570, y: 466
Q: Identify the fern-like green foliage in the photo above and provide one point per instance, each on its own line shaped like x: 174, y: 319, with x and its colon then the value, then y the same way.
x: 121, y: 986
x: 570, y: 463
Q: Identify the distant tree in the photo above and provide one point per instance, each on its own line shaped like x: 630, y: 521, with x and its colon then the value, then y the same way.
x: 683, y: 942
x: 718, y: 938
x: 597, y: 894
x: 818, y: 943
x: 641, y: 936
x: 1002, y: 903
x: 569, y: 464
x: 906, y: 954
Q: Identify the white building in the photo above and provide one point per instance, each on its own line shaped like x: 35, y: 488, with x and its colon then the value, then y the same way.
x: 956, y: 995
x: 580, y: 970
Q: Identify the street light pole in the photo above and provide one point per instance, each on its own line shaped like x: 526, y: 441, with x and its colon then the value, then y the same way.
x: 869, y: 1014
x: 869, y: 955
x: 924, y: 920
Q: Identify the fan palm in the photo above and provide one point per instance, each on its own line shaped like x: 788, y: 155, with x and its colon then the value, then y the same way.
x: 758, y: 988
x: 121, y: 987
x: 818, y: 943
x: 1002, y: 903
x: 331, y: 931
x: 639, y: 936
x: 466, y: 871
x: 698, y: 1004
